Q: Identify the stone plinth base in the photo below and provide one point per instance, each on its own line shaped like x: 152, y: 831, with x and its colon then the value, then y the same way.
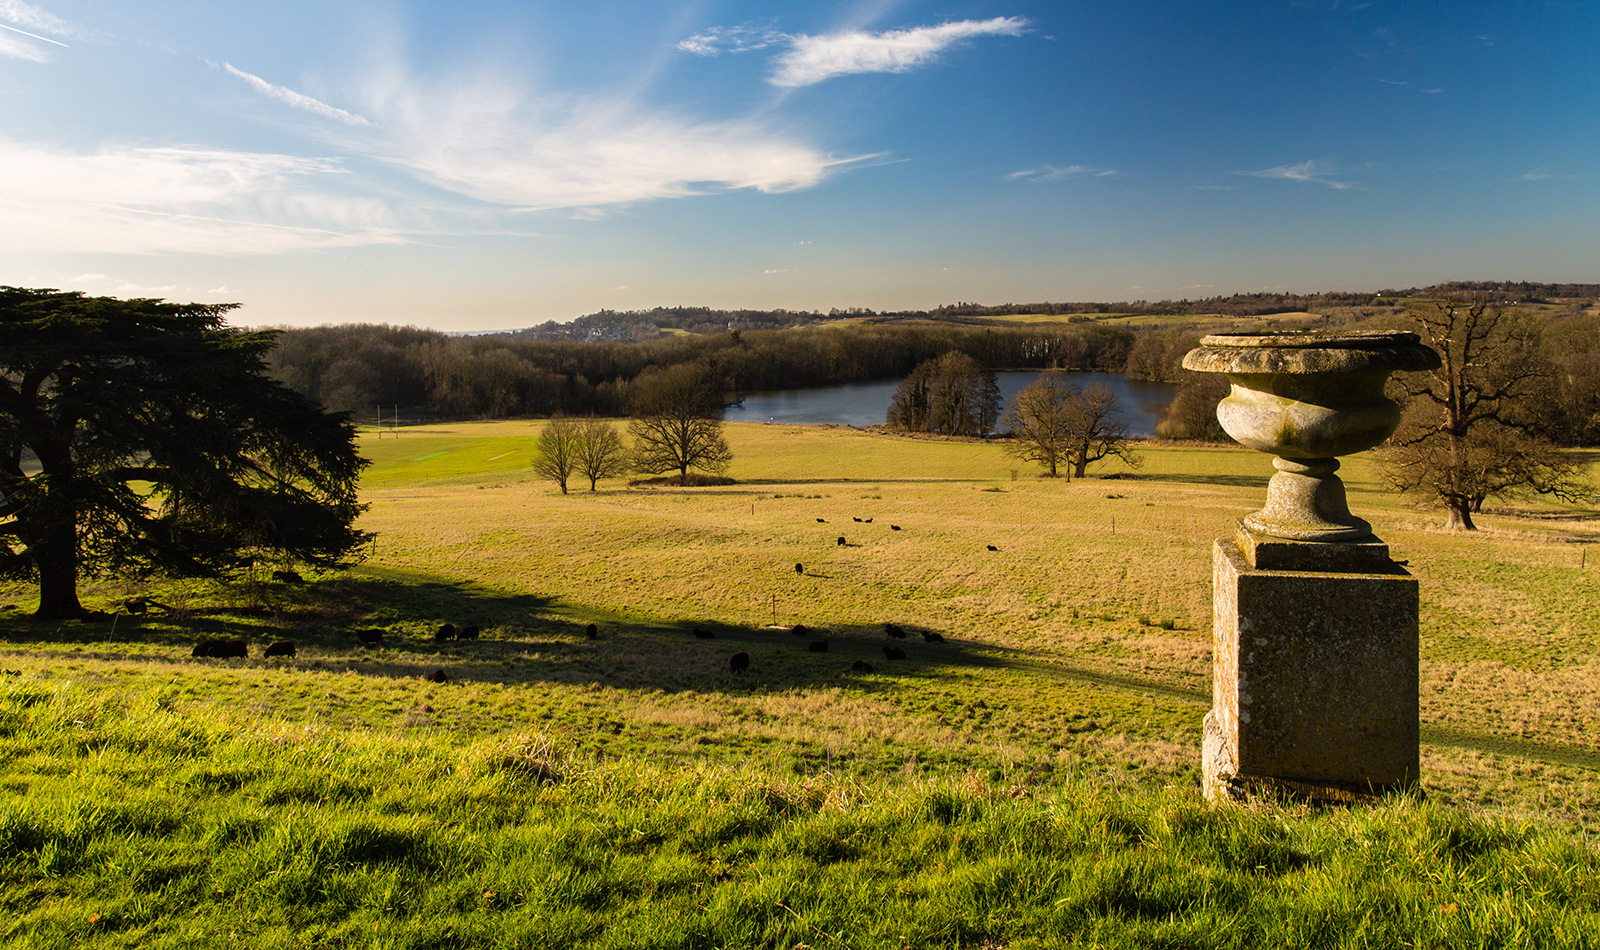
x: 1314, y: 671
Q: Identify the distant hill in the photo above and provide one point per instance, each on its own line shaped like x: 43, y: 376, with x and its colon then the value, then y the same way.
x: 624, y: 325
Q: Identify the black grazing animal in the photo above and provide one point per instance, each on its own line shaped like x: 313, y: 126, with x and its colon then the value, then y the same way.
x: 288, y: 577
x: 822, y: 521
x: 993, y: 548
x: 370, y: 637
x: 869, y: 521
x: 894, y: 527
x: 841, y: 542
x: 593, y: 631
x: 931, y: 637
x: 136, y: 605
x: 280, y: 648
x: 704, y: 634
x: 861, y: 666
x: 799, y: 568
x: 436, y: 676
x: 739, y: 661
x: 468, y: 633
x: 894, y: 653
x: 894, y: 631
x: 446, y: 632
x: 221, y: 649
x: 818, y: 646
x: 856, y: 520
x: 799, y: 630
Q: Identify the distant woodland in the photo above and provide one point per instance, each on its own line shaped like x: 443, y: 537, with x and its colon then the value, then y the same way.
x: 587, y: 366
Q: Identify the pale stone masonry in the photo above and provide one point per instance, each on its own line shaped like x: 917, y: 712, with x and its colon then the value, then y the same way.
x: 1315, y: 669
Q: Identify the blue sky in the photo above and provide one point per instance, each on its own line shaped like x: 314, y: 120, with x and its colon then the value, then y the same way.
x: 478, y: 165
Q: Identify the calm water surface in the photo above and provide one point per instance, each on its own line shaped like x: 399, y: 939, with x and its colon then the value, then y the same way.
x: 866, y: 404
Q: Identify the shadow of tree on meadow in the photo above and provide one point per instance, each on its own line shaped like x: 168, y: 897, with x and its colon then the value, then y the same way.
x: 1230, y: 481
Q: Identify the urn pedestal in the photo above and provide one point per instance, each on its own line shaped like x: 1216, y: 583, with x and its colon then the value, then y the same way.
x: 1314, y: 679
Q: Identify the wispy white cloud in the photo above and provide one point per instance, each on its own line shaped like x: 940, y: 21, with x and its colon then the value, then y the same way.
x: 490, y: 141
x: 732, y: 39
x: 1544, y: 173
x: 813, y: 59
x: 297, y: 100
x: 777, y: 270
x: 1045, y: 173
x: 179, y: 200
x: 1313, y: 171
x: 26, y: 14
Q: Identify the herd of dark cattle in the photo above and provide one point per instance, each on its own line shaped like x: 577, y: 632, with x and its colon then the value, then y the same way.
x: 225, y: 649
x: 741, y: 661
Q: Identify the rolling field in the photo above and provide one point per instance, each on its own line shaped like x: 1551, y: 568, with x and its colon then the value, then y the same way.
x: 799, y: 801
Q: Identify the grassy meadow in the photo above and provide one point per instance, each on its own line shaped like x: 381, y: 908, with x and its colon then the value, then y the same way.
x: 1030, y: 781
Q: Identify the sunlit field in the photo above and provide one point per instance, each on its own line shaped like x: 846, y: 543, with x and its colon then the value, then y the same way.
x: 1029, y: 781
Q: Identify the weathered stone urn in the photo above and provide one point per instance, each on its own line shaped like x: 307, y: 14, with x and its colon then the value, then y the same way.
x: 1307, y: 399
x: 1314, y: 655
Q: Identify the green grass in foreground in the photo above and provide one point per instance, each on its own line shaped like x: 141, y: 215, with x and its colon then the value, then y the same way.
x: 140, y: 825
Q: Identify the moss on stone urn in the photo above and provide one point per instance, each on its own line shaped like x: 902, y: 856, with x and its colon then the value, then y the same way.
x: 1308, y: 398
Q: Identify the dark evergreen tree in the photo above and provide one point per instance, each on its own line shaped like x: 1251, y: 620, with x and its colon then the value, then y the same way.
x: 140, y: 436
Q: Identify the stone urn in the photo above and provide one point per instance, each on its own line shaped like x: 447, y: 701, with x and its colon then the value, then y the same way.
x: 1309, y: 398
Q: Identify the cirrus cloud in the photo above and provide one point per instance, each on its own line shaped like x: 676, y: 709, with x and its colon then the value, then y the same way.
x: 813, y: 59
x: 491, y: 142
x: 297, y: 100
x: 178, y: 200
x: 1313, y: 170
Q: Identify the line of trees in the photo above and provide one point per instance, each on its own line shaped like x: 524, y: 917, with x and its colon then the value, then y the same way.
x: 357, y: 367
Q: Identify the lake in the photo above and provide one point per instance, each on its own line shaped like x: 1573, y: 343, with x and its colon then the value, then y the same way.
x: 866, y: 404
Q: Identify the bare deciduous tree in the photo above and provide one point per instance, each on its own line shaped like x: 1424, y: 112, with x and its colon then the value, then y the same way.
x: 1469, y: 431
x: 677, y: 422
x: 1037, y: 420
x: 600, y: 452
x: 1056, y: 421
x: 555, y: 454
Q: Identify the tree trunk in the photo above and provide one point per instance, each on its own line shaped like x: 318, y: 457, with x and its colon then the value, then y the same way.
x: 1080, y: 462
x: 58, y: 575
x: 1460, y: 516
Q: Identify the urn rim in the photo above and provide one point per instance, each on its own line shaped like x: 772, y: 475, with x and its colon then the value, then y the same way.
x: 1304, y: 354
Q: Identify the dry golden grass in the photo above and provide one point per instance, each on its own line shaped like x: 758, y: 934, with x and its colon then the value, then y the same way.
x: 1082, y: 643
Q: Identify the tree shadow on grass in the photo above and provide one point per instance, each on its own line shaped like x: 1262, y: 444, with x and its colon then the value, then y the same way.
x: 1230, y: 481
x: 524, y: 640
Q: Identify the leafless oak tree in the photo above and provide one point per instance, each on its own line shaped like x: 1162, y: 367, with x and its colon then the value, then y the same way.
x: 1055, y: 421
x: 600, y: 452
x: 1469, y: 431
x: 677, y: 422
x: 555, y: 454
